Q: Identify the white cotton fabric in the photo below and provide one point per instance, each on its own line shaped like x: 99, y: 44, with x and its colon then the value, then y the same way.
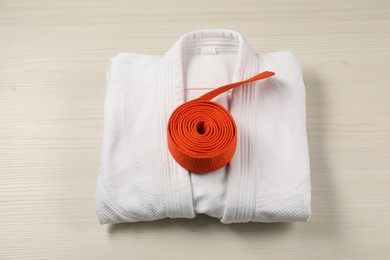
x: 268, y: 179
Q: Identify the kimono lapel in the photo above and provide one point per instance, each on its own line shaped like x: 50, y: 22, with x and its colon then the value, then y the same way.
x: 170, y: 83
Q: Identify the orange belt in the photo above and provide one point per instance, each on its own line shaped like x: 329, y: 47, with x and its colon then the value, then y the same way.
x: 202, y: 135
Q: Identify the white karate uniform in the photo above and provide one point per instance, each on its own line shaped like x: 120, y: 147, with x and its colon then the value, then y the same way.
x: 268, y: 179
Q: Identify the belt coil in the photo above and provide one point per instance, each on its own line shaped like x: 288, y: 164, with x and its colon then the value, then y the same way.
x: 202, y: 135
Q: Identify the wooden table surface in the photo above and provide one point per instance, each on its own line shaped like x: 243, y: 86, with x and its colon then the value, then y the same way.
x: 52, y: 84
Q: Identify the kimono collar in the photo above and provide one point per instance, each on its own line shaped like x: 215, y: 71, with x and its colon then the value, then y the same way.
x: 170, y: 75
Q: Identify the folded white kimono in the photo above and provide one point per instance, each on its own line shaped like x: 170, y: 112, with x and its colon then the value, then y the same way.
x: 268, y: 178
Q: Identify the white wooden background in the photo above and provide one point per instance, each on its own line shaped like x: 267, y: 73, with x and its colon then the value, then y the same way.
x: 52, y: 84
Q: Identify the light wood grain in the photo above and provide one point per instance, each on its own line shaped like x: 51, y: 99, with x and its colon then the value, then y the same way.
x: 52, y: 85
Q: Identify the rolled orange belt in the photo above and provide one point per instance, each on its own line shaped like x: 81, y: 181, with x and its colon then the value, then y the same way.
x: 202, y: 135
